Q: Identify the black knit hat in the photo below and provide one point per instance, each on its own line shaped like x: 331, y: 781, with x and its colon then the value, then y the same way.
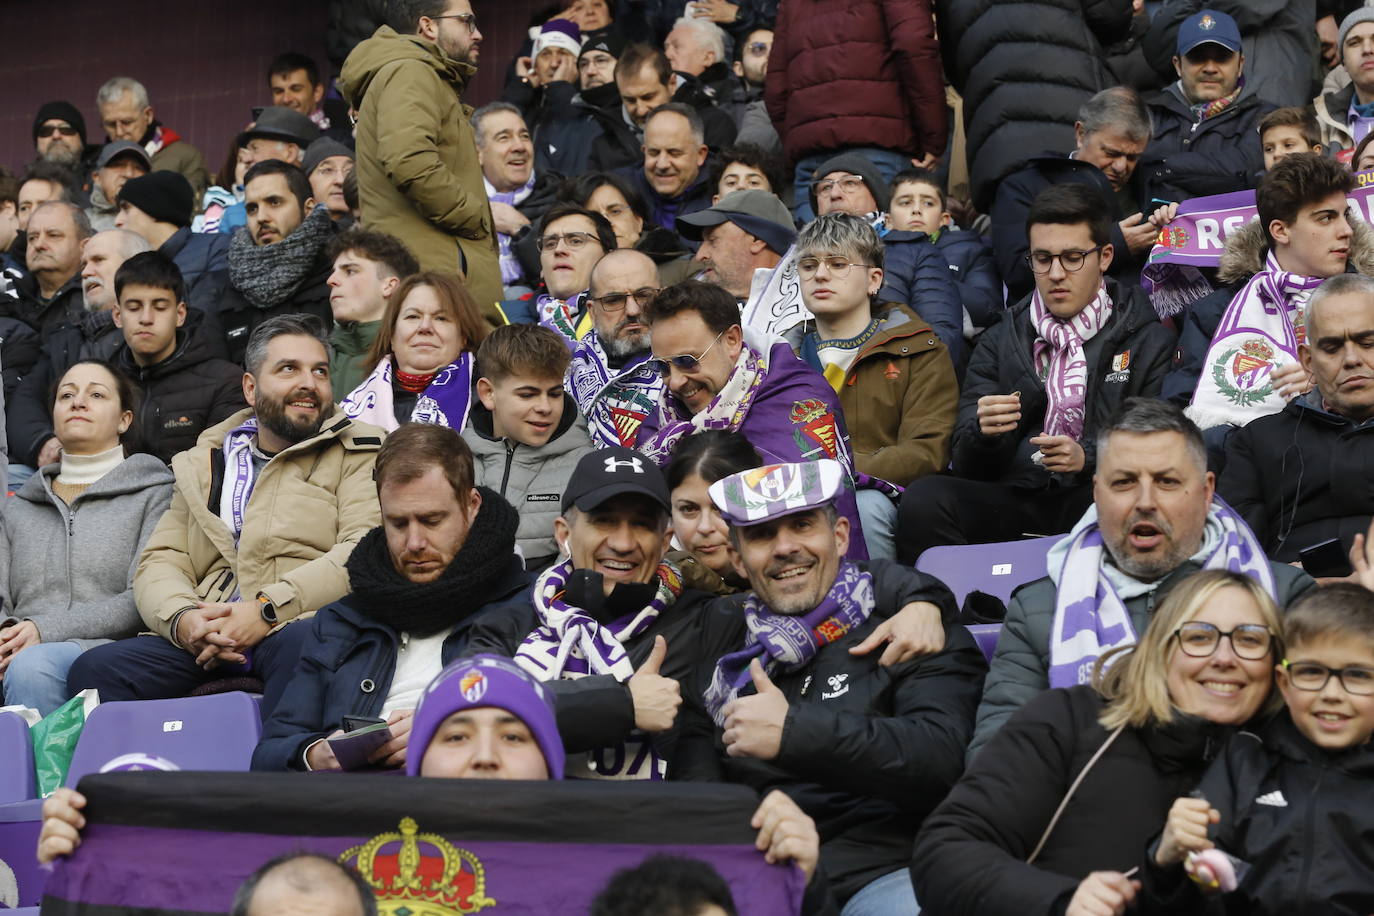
x: 854, y: 164
x: 165, y: 196
x: 62, y: 111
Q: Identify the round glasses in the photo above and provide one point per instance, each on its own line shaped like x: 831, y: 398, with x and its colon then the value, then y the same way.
x: 838, y: 267
x: 1314, y: 676
x: 615, y: 302
x: 1249, y: 641
x: 1072, y: 259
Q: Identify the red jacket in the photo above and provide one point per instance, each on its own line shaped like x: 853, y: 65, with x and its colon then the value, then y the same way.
x: 857, y: 73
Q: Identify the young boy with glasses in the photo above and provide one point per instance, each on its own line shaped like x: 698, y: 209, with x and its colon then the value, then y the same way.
x: 1287, y: 803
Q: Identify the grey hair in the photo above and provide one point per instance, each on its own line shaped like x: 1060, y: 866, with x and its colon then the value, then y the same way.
x: 709, y: 35
x: 79, y: 217
x: 841, y: 233
x: 1119, y: 107
x: 117, y: 86
x: 687, y: 111
x: 297, y: 323
x: 488, y: 109
x: 1339, y: 285
x: 130, y: 243
x: 1151, y: 415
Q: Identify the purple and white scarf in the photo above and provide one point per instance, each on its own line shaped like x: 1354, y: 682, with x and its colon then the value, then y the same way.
x: 615, y: 403
x: 1059, y: 357
x: 1260, y: 332
x: 239, y: 475
x: 784, y: 642
x: 1090, y: 615
x: 565, y: 317
x: 510, y: 264
x: 444, y: 402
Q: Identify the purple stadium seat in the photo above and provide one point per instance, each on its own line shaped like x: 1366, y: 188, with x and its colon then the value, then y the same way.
x: 995, y: 569
x: 215, y: 732
x: 17, y: 781
x: 985, y: 634
x: 21, y: 878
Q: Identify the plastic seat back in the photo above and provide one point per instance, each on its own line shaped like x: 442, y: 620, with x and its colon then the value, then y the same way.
x: 17, y: 781
x: 21, y: 877
x: 995, y: 569
x: 986, y: 634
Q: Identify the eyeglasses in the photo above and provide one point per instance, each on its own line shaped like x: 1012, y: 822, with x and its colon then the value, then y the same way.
x: 1314, y: 676
x: 467, y: 19
x: 848, y: 184
x: 49, y: 130
x: 575, y: 241
x: 757, y: 47
x: 615, y: 302
x: 1249, y: 641
x: 1070, y: 260
x: 838, y: 267
x: 685, y: 362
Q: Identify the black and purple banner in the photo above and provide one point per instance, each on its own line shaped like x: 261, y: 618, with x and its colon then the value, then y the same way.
x: 174, y: 844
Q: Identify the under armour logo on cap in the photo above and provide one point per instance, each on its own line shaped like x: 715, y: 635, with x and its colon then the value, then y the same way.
x: 634, y: 464
x: 611, y: 472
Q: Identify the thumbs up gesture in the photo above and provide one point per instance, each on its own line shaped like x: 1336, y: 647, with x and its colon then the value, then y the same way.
x: 656, y: 697
x: 753, y: 725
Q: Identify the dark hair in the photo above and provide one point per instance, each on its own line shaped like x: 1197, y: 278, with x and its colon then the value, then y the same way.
x: 664, y: 886
x: 1302, y: 119
x: 405, y: 14
x: 580, y: 189
x: 527, y: 350
x: 289, y: 62
x: 294, y: 175
x: 1296, y: 181
x: 716, y: 306
x: 9, y: 187
x: 917, y: 175
x: 1071, y: 205
x: 378, y: 247
x: 605, y: 234
x: 350, y: 189
x: 742, y: 44
x: 413, y: 448
x: 293, y: 324
x: 51, y: 172
x: 1152, y: 415
x: 1359, y: 151
x: 225, y: 177
x: 243, y: 897
x: 150, y: 268
x: 754, y: 156
x: 1342, y: 610
x: 452, y: 294
x: 712, y: 455
x: 125, y: 387
x: 638, y: 55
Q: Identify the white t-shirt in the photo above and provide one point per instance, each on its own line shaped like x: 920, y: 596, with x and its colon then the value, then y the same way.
x: 418, y: 661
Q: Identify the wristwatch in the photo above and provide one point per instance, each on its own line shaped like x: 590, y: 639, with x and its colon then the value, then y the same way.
x: 268, y: 609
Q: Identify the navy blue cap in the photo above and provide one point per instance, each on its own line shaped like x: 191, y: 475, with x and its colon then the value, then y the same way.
x: 1205, y: 26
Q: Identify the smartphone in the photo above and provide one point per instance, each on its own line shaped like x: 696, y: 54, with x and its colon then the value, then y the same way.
x: 353, y: 723
x: 1324, y: 559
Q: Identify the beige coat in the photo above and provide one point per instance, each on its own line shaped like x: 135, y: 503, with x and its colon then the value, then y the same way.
x: 418, y: 175
x: 311, y: 504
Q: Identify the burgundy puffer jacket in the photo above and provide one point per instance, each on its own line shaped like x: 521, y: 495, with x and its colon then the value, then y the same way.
x: 859, y: 73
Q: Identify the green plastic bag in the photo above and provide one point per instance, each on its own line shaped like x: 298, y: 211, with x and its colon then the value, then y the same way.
x: 54, y: 740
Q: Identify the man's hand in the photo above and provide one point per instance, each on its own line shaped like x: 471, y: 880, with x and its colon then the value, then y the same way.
x: 1362, y: 559
x: 565, y: 71
x: 320, y: 755
x: 913, y: 631
x: 1164, y: 215
x: 718, y: 11
x: 524, y: 69
x: 999, y: 413
x: 1103, y: 893
x: 1328, y: 32
x: 242, y: 628
x: 753, y: 725
x: 656, y: 697
x: 1061, y: 454
x: 927, y: 161
x: 50, y: 453
x: 393, y: 753
x: 786, y: 832
x: 62, y: 824
x: 20, y: 636
x: 508, y: 220
x: 1185, y: 830
x: 1290, y: 380
x: 1139, y: 232
x: 195, y: 623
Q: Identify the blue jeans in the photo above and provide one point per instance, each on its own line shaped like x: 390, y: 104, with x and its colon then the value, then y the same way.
x: 888, y: 162
x: 37, y: 676
x: 890, y: 895
x: 878, y: 515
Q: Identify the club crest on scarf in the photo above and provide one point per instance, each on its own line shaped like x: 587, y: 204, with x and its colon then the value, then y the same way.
x: 419, y: 874
x: 814, y: 422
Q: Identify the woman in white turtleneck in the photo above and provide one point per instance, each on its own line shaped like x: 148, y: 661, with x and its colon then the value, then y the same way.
x: 70, y: 539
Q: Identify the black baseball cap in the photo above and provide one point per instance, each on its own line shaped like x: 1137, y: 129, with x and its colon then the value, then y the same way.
x: 610, y: 472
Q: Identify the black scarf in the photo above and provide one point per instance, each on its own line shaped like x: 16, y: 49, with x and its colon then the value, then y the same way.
x: 423, y: 609
x: 268, y: 275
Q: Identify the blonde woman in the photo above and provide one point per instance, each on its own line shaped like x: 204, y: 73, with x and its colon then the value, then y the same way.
x: 1055, y: 812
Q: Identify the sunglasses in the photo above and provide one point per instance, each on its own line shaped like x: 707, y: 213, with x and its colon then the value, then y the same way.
x: 50, y: 130
x: 684, y: 362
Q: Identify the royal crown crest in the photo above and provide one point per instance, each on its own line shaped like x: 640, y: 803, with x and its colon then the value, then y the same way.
x: 1258, y: 349
x: 420, y: 874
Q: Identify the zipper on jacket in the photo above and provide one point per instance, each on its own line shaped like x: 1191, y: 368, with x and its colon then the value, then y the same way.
x: 71, y: 522
x: 1310, y: 843
x: 505, y: 475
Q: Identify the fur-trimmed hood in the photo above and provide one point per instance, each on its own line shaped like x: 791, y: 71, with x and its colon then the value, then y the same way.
x: 1247, y: 246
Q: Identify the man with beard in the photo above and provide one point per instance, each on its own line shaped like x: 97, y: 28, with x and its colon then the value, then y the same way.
x: 1153, y: 522
x: 278, y: 263
x: 225, y: 577
x: 59, y: 137
x: 608, y: 378
x: 444, y: 551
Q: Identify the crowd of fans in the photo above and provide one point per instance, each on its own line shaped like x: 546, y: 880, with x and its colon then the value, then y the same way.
x: 645, y: 386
